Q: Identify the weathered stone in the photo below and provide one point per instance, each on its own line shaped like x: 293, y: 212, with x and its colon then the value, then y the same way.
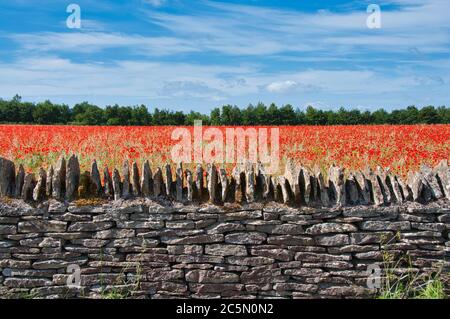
x: 210, y: 276
x: 306, y: 186
x: 116, y: 185
x: 442, y: 172
x: 415, y: 184
x: 163, y: 274
x: 190, y: 185
x: 262, y: 180
x: 28, y: 187
x: 115, y: 233
x: 429, y: 177
x: 146, y: 180
x: 20, y: 179
x: 50, y: 264
x: 371, y: 238
x: 292, y: 176
x: 363, y: 186
x: 225, y: 227
x: 238, y: 175
x: 199, y: 182
x: 323, y: 188
x: 285, y: 192
x: 249, y: 261
x: 377, y: 192
x: 325, y: 228
x: 334, y: 240
x: 385, y: 225
x: 249, y: 182
x: 41, y: 226
x: 223, y: 184
x: 135, y: 180
x: 212, y: 182
x: 90, y: 226
x: 95, y: 180
x: 199, y: 239
x: 290, y: 240
x: 295, y: 287
x: 158, y: 183
x: 337, y: 184
x: 277, y: 254
x: 39, y: 190
x: 225, y: 250
x: 351, y: 190
x: 245, y: 238
x: 59, y: 179
x: 168, y: 182
x: 381, y: 176
x: 109, y: 185
x: 8, y: 229
x: 72, y: 177
x: 179, y: 182
x: 126, y: 181
x: 7, y: 177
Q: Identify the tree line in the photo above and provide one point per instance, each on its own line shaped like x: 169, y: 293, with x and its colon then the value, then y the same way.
x: 18, y: 112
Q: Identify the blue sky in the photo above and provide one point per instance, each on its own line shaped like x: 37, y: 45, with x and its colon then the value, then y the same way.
x: 196, y: 55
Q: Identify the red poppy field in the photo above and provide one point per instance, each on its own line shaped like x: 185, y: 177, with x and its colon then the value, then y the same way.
x: 401, y: 148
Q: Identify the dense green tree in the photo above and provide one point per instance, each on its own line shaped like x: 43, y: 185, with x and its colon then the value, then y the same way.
x: 17, y: 111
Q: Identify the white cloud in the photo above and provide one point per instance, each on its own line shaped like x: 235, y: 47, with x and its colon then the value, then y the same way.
x: 277, y: 87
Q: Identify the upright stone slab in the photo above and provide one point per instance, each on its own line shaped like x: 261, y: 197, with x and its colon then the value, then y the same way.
x: 158, y: 184
x: 7, y: 177
x: 96, y: 182
x: 223, y: 184
x: 48, y: 186
x: 405, y: 190
x: 199, y: 182
x: 109, y: 187
x: 59, y: 179
x: 282, y: 181
x: 249, y: 182
x: 277, y: 196
x: 190, y: 185
x: 212, y: 182
x: 126, y: 185
x: 179, y: 182
x: 377, y: 193
x: 381, y: 174
x: 336, y: 177
x: 28, y: 187
x: 442, y: 172
x: 72, y: 177
x: 292, y: 176
x: 432, y: 182
x: 323, y: 189
x: 397, y: 189
x: 351, y: 190
x: 414, y: 182
x: 135, y: 182
x: 146, y: 180
x: 20, y: 178
x: 305, y: 186
x: 238, y: 175
x: 39, y: 189
x: 116, y: 185
x: 262, y: 180
x: 363, y: 186
x: 168, y: 182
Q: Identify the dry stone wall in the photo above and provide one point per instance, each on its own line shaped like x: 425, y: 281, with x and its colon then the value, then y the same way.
x: 170, y: 232
x: 145, y: 249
